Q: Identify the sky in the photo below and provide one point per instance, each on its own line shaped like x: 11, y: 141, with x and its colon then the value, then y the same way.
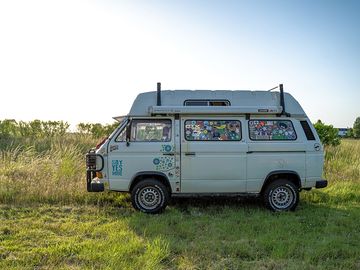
x: 86, y: 61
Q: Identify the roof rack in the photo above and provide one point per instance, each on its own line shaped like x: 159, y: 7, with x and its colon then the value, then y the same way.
x: 158, y: 109
x: 215, y: 110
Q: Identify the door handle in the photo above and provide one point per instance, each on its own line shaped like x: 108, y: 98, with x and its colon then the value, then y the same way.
x: 190, y: 154
x: 168, y: 154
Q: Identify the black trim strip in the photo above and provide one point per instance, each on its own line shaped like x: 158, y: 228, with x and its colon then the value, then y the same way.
x: 220, y: 194
x: 277, y: 151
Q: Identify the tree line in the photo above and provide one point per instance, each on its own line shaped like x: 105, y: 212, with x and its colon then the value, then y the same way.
x: 40, y: 129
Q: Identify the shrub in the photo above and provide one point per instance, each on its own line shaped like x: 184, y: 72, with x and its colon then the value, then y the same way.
x: 356, y: 128
x: 327, y: 133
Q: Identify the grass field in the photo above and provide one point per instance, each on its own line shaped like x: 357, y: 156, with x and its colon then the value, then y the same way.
x: 49, y: 221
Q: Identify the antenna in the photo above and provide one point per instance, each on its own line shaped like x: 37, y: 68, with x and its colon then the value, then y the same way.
x: 273, y: 88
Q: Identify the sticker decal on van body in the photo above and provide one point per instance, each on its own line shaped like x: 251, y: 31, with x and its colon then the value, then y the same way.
x: 167, y: 148
x: 164, y: 163
x: 117, y: 167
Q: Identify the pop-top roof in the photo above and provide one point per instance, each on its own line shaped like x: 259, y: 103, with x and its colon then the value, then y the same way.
x: 252, y: 102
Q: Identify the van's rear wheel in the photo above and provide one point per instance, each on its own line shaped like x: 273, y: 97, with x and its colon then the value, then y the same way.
x: 150, y: 196
x: 281, y: 195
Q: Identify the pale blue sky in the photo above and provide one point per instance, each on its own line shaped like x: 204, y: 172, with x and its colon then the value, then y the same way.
x: 59, y: 59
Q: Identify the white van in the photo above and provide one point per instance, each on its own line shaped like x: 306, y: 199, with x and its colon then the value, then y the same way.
x: 186, y: 143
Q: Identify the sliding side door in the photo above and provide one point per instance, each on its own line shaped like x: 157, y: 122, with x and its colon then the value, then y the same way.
x: 213, y: 155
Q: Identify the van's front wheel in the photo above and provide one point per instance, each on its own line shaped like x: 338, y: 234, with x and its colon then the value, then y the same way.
x: 281, y: 195
x: 150, y: 196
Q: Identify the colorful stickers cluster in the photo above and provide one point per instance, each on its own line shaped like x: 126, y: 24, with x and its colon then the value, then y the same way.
x: 212, y: 130
x: 164, y: 163
x: 271, y: 130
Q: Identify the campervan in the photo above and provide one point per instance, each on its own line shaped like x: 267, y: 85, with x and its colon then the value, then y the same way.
x: 209, y: 143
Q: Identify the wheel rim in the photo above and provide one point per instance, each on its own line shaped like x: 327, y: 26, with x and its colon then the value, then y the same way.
x: 282, y: 197
x: 149, y: 198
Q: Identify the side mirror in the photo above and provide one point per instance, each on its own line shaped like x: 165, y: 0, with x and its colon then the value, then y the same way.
x: 128, y: 133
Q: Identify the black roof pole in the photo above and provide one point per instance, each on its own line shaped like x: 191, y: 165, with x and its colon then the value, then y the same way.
x: 158, y: 96
x: 282, y: 101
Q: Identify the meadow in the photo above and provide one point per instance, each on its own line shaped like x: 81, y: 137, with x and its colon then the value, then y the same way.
x: 49, y: 221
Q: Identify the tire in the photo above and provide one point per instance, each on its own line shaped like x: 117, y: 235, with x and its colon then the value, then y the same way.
x: 281, y: 195
x: 150, y: 196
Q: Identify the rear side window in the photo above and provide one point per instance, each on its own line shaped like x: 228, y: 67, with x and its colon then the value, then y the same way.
x: 212, y: 130
x: 307, y: 130
x: 271, y: 130
x: 149, y: 130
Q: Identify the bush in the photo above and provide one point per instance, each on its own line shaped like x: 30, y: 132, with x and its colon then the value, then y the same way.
x: 327, y: 133
x: 356, y: 128
x: 34, y: 129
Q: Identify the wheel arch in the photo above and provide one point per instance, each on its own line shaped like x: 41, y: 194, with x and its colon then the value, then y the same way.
x: 292, y: 176
x: 138, y: 177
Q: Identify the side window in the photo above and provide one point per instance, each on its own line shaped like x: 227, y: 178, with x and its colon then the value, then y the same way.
x: 307, y: 130
x: 122, y: 136
x: 202, y: 102
x: 149, y: 130
x: 212, y: 130
x: 272, y: 130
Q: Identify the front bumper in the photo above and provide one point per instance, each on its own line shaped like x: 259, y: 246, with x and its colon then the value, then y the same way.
x: 321, y: 183
x: 92, y: 182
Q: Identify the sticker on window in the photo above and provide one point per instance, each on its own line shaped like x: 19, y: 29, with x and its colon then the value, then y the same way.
x: 212, y: 130
x: 265, y: 130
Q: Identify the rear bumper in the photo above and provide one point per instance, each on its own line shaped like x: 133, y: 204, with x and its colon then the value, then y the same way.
x: 321, y: 183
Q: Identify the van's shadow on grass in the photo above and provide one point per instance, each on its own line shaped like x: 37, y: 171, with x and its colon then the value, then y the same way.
x: 184, y: 204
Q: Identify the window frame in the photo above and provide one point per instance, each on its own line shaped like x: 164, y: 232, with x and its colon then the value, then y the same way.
x: 235, y: 120
x: 277, y: 140
x: 149, y: 120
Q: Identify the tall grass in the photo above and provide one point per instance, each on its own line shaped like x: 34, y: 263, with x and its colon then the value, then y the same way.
x: 52, y: 170
x: 342, y: 164
x: 48, y: 170
x: 342, y: 170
